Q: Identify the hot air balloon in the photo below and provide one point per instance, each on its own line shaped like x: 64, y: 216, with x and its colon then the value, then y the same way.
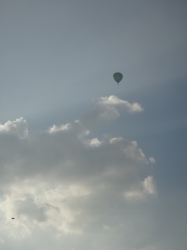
x: 118, y: 77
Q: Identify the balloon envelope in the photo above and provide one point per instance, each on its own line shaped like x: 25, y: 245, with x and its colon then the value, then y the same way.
x: 118, y: 77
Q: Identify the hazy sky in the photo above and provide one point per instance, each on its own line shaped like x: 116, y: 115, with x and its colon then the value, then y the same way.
x: 86, y: 163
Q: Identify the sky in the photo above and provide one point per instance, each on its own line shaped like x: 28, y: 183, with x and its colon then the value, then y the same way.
x: 86, y: 163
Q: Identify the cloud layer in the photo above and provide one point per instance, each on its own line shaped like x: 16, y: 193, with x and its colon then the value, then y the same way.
x: 66, y: 179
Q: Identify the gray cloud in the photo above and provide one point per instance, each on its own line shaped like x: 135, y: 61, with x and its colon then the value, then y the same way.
x: 63, y: 178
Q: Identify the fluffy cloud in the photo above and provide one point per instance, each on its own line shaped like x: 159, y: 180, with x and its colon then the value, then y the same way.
x: 17, y: 127
x: 63, y: 178
x: 114, y: 101
x: 106, y: 109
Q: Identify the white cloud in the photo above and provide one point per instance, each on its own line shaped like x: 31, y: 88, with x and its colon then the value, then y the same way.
x: 17, y: 127
x: 152, y: 160
x: 54, y: 128
x: 115, y: 101
x: 141, y: 190
x: 64, y: 180
x: 106, y: 109
x: 149, y: 185
x: 95, y: 142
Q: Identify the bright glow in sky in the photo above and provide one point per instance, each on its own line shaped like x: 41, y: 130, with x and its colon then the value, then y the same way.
x: 86, y: 163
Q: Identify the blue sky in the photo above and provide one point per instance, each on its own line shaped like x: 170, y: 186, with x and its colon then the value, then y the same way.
x: 86, y: 163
